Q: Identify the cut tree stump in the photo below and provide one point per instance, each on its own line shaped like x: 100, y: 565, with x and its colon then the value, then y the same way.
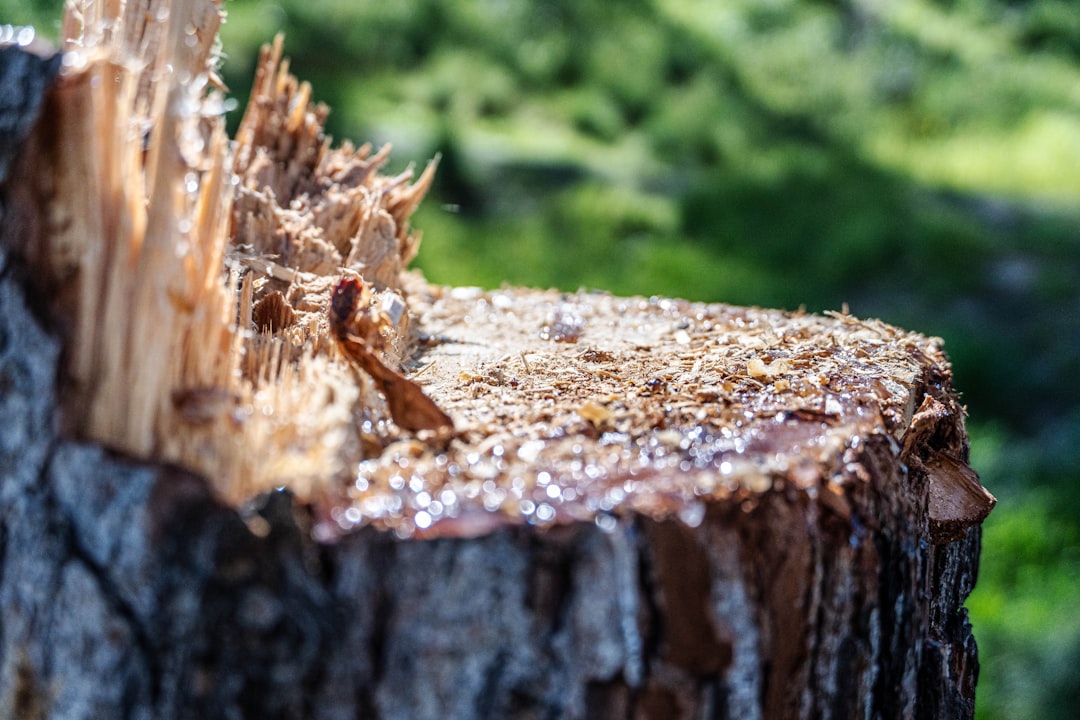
x: 251, y: 467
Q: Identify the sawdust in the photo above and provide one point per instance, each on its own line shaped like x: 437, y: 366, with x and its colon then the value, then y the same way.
x: 658, y: 405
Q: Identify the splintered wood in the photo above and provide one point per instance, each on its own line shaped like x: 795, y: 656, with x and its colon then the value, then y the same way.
x: 243, y: 310
x: 195, y: 275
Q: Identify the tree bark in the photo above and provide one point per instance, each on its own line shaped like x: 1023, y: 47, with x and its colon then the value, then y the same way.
x: 830, y: 585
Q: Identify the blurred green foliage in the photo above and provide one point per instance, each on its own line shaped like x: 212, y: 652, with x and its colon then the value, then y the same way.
x: 918, y: 160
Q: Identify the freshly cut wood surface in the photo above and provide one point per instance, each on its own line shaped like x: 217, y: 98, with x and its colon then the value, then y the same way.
x: 571, y: 406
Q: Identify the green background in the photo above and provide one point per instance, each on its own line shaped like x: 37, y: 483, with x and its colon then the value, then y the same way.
x: 919, y: 161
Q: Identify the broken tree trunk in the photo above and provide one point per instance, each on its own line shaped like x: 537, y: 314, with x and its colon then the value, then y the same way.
x: 236, y: 484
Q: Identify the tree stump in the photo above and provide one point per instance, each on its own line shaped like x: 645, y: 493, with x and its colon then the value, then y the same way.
x: 254, y: 468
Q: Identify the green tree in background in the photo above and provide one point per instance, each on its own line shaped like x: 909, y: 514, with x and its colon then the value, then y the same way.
x: 917, y: 160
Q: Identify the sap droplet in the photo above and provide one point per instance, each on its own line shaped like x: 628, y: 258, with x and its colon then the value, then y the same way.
x: 530, y: 450
x: 607, y: 523
x: 692, y: 513
x: 24, y: 36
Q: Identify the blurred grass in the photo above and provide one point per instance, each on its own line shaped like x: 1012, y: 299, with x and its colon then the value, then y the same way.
x: 918, y: 160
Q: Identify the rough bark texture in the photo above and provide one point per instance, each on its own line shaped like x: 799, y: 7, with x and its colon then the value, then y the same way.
x: 128, y: 591
x: 24, y: 78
